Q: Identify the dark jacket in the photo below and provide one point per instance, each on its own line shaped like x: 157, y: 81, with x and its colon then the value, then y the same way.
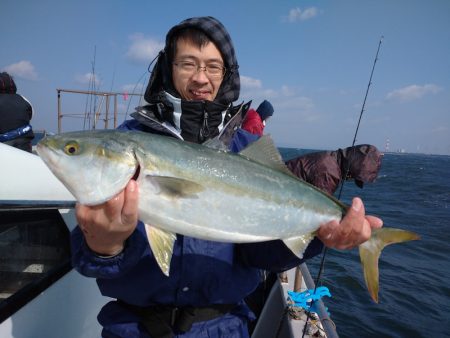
x: 327, y: 169
x: 15, y: 115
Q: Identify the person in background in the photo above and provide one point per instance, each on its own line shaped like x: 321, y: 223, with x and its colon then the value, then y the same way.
x: 255, y: 120
x: 251, y: 126
x: 327, y: 169
x: 190, y: 93
x: 15, y: 115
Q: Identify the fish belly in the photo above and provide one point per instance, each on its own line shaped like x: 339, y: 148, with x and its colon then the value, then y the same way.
x: 215, y: 215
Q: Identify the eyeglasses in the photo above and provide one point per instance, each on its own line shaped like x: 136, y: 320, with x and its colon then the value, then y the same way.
x: 213, y: 70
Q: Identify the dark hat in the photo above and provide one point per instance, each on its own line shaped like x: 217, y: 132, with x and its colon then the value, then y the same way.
x: 7, y: 84
x: 362, y: 161
x: 265, y: 109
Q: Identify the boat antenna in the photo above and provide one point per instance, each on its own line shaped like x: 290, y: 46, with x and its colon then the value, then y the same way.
x: 347, y: 170
x: 90, y: 99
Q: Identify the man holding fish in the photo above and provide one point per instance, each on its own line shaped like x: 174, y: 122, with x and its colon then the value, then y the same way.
x: 199, y: 291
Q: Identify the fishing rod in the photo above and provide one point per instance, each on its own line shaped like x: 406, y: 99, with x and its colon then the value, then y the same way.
x: 325, y: 249
x: 361, y: 114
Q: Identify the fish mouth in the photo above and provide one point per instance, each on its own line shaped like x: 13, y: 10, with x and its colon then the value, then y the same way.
x: 47, y: 154
x: 39, y: 146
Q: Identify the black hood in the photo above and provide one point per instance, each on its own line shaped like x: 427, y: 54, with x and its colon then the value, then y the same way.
x: 7, y: 84
x: 363, y: 163
x: 161, y: 77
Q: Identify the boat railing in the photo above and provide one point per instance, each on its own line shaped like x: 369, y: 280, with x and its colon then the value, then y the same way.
x: 328, y: 325
x: 11, y: 205
x: 101, y: 111
x: 280, y: 319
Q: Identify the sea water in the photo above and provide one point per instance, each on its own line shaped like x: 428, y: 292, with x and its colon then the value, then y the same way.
x: 412, y: 192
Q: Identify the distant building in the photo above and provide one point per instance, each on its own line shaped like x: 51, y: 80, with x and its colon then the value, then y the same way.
x: 386, y: 147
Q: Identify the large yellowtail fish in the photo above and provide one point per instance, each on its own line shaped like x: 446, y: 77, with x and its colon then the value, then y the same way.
x: 202, y: 192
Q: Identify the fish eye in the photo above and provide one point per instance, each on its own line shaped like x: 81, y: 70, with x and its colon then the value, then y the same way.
x: 71, y: 148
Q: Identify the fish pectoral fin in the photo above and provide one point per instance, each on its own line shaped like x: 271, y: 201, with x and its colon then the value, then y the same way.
x: 161, y: 243
x: 173, y: 187
x: 298, y: 244
x: 370, y: 251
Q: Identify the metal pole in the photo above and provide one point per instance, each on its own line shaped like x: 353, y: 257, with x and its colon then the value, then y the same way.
x: 115, y: 111
x: 59, y: 111
x: 297, y: 280
x: 98, y: 112
x: 106, y: 112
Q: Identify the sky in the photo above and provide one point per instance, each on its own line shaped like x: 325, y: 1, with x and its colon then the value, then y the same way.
x: 311, y: 59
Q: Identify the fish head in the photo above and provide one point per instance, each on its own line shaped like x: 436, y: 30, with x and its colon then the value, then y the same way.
x: 93, y: 165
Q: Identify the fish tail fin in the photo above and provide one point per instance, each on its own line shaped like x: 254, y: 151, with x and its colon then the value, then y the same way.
x: 370, y: 251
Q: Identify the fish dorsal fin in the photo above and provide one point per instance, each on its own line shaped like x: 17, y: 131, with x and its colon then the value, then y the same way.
x: 173, y: 187
x: 265, y: 152
x: 298, y: 244
x: 215, y: 143
x: 161, y: 242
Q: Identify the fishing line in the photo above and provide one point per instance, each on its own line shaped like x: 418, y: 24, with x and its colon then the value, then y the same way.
x: 325, y: 249
x: 140, y: 79
x: 133, y: 92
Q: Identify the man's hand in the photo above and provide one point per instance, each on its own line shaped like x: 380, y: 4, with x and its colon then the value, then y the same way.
x: 108, y: 225
x: 354, y: 229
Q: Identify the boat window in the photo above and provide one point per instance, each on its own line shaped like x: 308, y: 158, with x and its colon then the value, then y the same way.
x: 34, y: 253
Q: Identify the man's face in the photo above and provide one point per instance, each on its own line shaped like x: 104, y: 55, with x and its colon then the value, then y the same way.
x: 198, y: 85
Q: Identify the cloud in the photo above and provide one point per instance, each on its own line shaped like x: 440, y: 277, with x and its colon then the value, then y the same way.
x: 440, y: 129
x: 297, y: 14
x: 87, y: 79
x: 296, y: 103
x: 290, y: 105
x: 413, y: 92
x: 287, y: 91
x: 250, y: 83
x: 253, y: 89
x: 143, y: 50
x: 22, y: 69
